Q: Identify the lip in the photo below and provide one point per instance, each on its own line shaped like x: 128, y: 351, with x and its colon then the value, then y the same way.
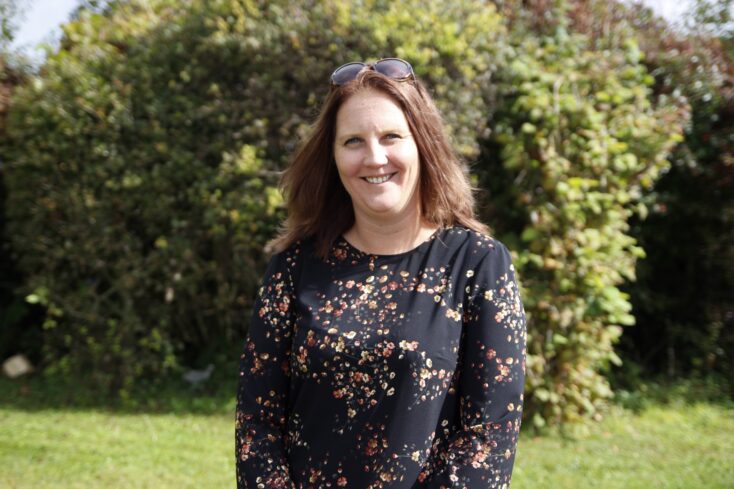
x: 389, y: 175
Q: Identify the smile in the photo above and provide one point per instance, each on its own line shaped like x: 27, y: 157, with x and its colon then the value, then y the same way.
x: 381, y: 179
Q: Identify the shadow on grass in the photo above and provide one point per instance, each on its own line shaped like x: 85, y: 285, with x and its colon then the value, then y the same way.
x: 173, y: 395
x: 679, y: 392
x: 39, y: 392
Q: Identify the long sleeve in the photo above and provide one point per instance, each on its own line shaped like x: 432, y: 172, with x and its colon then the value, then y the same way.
x: 492, y: 373
x: 262, y: 394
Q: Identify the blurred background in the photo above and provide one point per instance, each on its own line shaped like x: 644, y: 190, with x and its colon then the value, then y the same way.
x: 140, y: 147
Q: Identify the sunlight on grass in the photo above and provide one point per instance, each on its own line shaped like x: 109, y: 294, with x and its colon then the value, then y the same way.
x: 664, y: 447
x: 72, y: 449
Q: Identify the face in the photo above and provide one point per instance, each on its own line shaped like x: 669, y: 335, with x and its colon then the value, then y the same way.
x: 377, y: 157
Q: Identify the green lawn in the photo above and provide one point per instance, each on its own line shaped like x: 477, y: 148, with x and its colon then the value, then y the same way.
x: 675, y: 446
x: 87, y: 449
x: 678, y: 446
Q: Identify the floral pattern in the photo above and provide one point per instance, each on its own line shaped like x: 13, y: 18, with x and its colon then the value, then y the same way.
x: 384, y: 371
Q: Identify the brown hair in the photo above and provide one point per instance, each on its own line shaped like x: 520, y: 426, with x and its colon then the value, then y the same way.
x: 319, y: 205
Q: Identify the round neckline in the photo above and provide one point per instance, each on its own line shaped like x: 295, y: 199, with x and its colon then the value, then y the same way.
x: 419, y: 247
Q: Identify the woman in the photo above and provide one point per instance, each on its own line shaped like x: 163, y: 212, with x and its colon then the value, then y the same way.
x: 387, y: 346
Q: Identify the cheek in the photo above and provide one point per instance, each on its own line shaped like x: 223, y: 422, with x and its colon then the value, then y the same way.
x: 340, y: 163
x: 347, y: 171
x: 411, y: 161
x: 345, y: 168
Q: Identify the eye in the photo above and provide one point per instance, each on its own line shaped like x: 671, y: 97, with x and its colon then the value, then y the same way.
x: 393, y: 135
x: 352, y: 141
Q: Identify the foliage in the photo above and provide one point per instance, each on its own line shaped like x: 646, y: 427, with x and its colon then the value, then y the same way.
x: 143, y: 163
x: 143, y: 159
x: 9, y: 12
x: 712, y: 18
x: 14, y: 71
x: 682, y: 299
x: 691, y: 306
x: 576, y: 143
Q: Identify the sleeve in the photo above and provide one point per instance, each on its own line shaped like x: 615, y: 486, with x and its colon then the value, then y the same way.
x: 262, y: 393
x: 482, y: 452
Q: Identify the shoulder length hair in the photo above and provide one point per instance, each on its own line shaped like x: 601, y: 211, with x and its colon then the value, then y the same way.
x: 318, y: 204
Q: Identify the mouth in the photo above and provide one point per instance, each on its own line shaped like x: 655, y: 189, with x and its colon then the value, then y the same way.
x: 380, y: 179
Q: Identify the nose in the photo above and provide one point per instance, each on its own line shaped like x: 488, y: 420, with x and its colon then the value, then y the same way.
x: 376, y: 154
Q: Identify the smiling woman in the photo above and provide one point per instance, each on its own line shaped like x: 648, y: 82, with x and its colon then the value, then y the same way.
x: 387, y: 347
x: 379, y: 166
x: 320, y: 204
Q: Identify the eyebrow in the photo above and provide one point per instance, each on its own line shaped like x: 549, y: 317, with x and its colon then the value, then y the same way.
x: 346, y: 135
x: 359, y: 134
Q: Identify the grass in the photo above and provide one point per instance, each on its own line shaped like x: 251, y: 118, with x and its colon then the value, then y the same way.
x: 184, y: 439
x: 86, y: 449
x: 664, y: 446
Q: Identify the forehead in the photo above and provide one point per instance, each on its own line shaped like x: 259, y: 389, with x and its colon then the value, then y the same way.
x: 369, y: 110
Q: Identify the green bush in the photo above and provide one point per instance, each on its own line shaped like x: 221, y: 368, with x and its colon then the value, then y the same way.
x: 682, y: 296
x: 684, y: 293
x: 143, y: 159
x: 576, y: 143
x: 143, y: 162
x: 15, y: 334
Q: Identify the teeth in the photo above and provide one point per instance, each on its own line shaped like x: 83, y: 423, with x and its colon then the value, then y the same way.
x: 378, y: 179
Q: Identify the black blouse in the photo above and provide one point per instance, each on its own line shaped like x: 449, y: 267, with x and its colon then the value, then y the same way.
x: 384, y: 371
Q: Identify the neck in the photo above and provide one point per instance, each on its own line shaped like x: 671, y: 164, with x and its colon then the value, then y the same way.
x: 381, y: 238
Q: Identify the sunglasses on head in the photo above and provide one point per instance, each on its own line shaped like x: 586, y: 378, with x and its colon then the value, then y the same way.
x: 395, y: 68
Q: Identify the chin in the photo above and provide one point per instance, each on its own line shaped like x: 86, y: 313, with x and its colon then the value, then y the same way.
x: 385, y: 212
x: 383, y: 207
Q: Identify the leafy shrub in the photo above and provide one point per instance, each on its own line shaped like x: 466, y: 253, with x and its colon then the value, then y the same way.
x: 682, y: 298
x: 15, y: 334
x: 576, y: 143
x: 684, y: 292
x: 143, y: 164
x: 143, y: 159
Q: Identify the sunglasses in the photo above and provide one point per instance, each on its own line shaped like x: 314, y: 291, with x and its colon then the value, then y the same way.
x: 395, y: 68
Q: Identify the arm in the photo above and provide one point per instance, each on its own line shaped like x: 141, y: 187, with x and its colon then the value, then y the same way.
x: 262, y: 393
x: 482, y: 452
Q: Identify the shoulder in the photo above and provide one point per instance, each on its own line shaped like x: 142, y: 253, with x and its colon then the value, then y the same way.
x: 484, y: 261
x: 289, y: 260
x: 476, y: 247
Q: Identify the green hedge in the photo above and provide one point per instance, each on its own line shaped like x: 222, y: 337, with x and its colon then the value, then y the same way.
x: 143, y: 159
x: 143, y: 162
x: 683, y: 298
x: 579, y: 144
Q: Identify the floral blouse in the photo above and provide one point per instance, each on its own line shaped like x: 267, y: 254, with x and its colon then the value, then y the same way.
x: 384, y: 371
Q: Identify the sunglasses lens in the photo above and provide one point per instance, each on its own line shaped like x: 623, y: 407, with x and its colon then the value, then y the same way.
x: 394, y: 68
x: 346, y: 73
x: 397, y: 69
